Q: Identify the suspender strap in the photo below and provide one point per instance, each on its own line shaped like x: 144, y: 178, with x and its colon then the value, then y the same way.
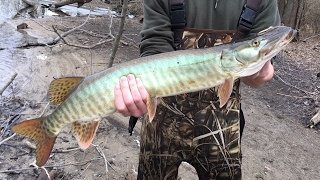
x: 178, y: 19
x: 247, y: 18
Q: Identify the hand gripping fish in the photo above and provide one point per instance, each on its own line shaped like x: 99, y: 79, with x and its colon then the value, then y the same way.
x: 85, y: 101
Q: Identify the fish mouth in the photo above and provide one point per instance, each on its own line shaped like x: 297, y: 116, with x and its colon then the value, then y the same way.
x: 277, y: 43
x: 277, y: 38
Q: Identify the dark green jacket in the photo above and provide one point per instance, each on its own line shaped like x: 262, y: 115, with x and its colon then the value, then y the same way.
x: 157, y: 36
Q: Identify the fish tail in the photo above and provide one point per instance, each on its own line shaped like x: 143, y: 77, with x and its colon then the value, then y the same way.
x: 44, y: 143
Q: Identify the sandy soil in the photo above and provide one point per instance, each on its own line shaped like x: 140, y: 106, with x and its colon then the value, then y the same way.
x: 276, y: 142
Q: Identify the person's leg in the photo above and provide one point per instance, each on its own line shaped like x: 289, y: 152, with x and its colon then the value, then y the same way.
x: 163, y: 145
x: 216, y: 142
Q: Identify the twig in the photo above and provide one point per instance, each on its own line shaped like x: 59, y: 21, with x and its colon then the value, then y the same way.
x: 42, y: 167
x: 60, y: 36
x: 71, y: 30
x: 66, y: 150
x: 103, y: 156
x: 44, y: 175
x: 130, y: 40
x: 10, y: 122
x: 83, y: 171
x: 311, y: 37
x: 297, y: 97
x: 44, y: 109
x: 46, y: 171
x: 63, y: 165
x: 3, y: 141
x: 79, y: 46
x: 116, y: 42
x: 5, y: 87
x: 306, y: 92
x: 98, y: 148
x: 93, y: 34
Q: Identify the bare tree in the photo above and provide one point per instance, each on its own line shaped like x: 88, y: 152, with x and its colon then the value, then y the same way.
x: 301, y: 14
x: 291, y: 12
x: 116, y: 42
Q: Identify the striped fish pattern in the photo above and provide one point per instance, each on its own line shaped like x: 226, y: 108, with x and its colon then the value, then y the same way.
x: 84, y: 101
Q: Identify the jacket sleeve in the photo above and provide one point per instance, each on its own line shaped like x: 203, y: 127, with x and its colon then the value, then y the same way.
x: 156, y: 33
x: 267, y: 16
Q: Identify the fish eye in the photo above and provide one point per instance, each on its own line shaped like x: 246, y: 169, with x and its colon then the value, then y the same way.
x: 256, y: 43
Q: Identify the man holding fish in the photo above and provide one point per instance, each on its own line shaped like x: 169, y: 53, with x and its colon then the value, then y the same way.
x: 192, y: 127
x: 191, y: 96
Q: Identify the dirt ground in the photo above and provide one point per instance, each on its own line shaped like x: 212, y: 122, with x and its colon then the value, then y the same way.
x: 276, y: 143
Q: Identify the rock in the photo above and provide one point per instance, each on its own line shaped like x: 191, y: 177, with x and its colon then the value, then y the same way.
x: 22, y: 26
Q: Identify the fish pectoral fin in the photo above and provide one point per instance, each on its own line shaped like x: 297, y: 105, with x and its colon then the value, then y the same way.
x: 44, y: 143
x: 225, y: 91
x: 60, y: 88
x: 152, y: 107
x: 84, y: 132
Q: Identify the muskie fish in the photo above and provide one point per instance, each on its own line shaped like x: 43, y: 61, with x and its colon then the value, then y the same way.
x: 85, y: 101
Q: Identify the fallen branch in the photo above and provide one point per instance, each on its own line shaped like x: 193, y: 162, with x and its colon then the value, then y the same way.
x: 63, y: 3
x: 104, y: 157
x: 306, y: 92
x: 80, y: 46
x: 63, y: 165
x: 61, y: 36
x: 66, y: 150
x: 30, y: 3
x: 45, y: 175
x: 297, y: 97
x: 116, y: 42
x: 71, y: 30
x: 5, y: 87
x: 305, y: 40
x: 44, y: 109
x: 129, y: 40
x: 42, y: 175
x: 11, y: 121
x: 8, y: 138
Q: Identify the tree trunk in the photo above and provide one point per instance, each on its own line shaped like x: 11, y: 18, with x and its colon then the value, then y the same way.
x: 116, y: 42
x: 291, y: 12
x: 301, y: 14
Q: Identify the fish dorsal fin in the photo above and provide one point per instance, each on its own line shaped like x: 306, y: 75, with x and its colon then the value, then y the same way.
x: 60, y: 88
x: 84, y: 132
x: 225, y: 91
x: 152, y: 107
x: 44, y: 142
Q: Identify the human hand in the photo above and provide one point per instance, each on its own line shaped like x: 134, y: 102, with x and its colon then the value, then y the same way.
x: 130, y: 96
x: 261, y: 77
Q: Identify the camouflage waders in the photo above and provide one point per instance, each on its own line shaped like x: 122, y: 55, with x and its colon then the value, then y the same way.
x: 193, y: 128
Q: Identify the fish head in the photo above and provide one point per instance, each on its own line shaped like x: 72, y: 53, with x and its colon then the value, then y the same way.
x: 251, y: 55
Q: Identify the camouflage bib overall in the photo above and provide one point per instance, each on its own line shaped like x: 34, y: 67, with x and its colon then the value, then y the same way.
x: 193, y: 128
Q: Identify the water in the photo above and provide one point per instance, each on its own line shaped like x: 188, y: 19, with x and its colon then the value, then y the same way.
x: 9, y: 8
x: 16, y: 60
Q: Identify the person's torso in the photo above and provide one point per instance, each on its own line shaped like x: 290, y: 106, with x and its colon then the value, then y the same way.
x: 213, y: 14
